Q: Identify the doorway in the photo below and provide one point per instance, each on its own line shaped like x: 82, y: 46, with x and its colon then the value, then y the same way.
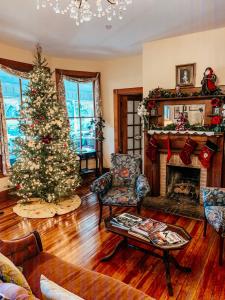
x: 127, y: 123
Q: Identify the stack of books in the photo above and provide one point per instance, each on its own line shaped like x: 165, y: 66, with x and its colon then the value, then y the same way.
x: 148, y: 230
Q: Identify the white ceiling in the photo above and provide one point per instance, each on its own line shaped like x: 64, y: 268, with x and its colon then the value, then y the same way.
x: 145, y: 20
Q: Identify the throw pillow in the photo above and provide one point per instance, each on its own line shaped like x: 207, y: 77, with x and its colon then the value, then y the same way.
x: 14, y: 292
x: 52, y: 291
x: 11, y: 274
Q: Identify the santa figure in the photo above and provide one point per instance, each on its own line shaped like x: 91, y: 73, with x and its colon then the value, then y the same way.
x: 209, y: 82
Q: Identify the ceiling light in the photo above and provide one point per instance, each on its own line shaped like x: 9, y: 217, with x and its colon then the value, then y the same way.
x: 84, y: 10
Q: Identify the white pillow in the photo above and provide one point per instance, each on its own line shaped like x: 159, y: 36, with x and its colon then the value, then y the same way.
x: 52, y: 291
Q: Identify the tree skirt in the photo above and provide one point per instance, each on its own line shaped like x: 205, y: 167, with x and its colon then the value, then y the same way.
x: 38, y: 209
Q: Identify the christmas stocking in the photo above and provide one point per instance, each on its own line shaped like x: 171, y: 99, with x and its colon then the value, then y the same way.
x: 185, y: 154
x: 151, y: 151
x: 169, y: 153
x: 206, y: 153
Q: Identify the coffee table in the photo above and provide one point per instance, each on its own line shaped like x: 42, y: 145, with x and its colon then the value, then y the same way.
x: 165, y: 256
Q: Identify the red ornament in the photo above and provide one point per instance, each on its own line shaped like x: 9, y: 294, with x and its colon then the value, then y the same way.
x: 18, y: 186
x: 46, y: 139
x: 33, y: 91
x: 151, y: 105
x: 216, y: 120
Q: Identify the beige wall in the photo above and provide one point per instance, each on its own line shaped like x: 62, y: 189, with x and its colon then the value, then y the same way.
x: 116, y: 74
x: 204, y: 48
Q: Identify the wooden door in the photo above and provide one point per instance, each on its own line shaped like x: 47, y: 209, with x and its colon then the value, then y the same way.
x: 127, y: 124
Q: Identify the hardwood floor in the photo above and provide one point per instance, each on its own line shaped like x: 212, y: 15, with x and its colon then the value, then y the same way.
x: 76, y: 238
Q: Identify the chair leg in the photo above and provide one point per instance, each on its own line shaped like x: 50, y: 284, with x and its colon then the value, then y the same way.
x: 110, y: 211
x: 139, y: 209
x: 221, y: 250
x: 100, y: 213
x: 205, y: 227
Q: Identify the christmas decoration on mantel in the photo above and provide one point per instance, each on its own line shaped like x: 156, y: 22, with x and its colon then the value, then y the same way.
x: 47, y: 166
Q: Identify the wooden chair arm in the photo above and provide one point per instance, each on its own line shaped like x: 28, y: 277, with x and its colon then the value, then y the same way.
x: 22, y: 249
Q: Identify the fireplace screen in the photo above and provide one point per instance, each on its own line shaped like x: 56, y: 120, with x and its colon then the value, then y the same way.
x: 183, y: 183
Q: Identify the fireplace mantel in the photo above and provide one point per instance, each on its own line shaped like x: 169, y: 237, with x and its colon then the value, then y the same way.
x: 215, y: 174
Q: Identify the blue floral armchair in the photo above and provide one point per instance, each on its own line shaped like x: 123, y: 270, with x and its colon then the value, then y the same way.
x: 124, y: 185
x: 214, y: 205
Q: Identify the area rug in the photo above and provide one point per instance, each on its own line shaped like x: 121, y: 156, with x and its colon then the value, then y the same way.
x: 38, y: 209
x: 185, y: 208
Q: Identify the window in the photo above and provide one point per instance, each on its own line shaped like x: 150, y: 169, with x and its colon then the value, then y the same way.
x: 13, y: 88
x: 81, y: 110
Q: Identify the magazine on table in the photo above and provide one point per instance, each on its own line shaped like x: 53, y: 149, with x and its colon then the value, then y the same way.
x: 125, y: 221
x: 167, y: 238
x: 148, y: 226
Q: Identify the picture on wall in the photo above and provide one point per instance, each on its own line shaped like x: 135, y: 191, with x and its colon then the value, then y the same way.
x: 185, y: 75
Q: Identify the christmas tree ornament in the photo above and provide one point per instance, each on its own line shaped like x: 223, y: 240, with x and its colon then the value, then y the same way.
x: 47, y: 166
x: 206, y: 154
x: 152, y: 149
x: 185, y: 154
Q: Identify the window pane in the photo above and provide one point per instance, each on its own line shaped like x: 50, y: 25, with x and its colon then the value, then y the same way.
x: 86, y: 91
x: 71, y: 92
x: 75, y: 132
x: 12, y: 107
x: 25, y: 84
x: 13, y: 132
x: 88, y: 135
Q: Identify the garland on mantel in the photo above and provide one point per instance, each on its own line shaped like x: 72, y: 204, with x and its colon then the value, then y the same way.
x: 150, y: 102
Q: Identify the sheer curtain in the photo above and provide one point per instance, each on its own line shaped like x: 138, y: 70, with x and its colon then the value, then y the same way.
x: 3, y: 129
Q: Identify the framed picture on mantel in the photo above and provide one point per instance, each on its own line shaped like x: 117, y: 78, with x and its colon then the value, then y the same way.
x: 185, y: 75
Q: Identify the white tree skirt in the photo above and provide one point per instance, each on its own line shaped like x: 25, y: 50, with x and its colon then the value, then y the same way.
x: 38, y: 209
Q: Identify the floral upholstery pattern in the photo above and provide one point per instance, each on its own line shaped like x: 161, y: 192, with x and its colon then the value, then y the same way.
x: 120, y: 196
x: 142, y: 186
x: 102, y: 184
x: 214, y: 203
x: 125, y: 169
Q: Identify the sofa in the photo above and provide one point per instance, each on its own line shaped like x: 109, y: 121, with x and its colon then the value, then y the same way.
x: 27, y: 252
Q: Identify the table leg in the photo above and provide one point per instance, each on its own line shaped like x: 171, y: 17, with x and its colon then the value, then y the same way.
x: 115, y: 250
x: 167, y: 267
x: 178, y: 266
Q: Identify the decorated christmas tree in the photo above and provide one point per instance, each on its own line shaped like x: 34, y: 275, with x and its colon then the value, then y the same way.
x: 46, y: 166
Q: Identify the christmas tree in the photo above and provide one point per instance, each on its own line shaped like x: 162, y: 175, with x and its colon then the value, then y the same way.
x: 46, y: 166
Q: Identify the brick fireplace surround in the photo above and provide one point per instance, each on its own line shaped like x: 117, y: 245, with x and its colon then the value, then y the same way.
x: 176, y: 161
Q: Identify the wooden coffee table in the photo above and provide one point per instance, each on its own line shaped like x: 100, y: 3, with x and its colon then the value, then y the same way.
x: 165, y: 256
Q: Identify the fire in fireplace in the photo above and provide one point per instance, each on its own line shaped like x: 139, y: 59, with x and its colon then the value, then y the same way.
x: 183, y: 183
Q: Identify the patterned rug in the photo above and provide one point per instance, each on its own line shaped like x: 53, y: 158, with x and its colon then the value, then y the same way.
x: 38, y: 209
x: 184, y: 208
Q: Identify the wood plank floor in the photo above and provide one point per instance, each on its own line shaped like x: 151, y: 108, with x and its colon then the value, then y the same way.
x: 76, y: 238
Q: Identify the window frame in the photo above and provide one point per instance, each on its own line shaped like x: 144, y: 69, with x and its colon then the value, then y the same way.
x: 78, y: 74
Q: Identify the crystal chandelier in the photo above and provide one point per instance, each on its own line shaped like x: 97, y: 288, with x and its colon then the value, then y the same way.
x: 84, y: 10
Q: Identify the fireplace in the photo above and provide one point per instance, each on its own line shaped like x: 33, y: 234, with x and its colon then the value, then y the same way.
x: 183, y: 183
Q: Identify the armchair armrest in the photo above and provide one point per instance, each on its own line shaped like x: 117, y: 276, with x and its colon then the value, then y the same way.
x: 213, y: 196
x: 22, y: 249
x: 142, y: 186
x: 102, y: 184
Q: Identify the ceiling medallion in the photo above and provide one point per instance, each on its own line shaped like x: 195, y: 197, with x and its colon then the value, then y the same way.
x: 84, y: 10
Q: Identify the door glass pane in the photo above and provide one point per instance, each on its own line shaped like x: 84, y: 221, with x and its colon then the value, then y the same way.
x: 130, y: 144
x: 130, y: 106
x: 88, y: 135
x: 130, y: 131
x: 137, y: 144
x: 137, y: 119
x: 130, y: 119
x: 137, y: 130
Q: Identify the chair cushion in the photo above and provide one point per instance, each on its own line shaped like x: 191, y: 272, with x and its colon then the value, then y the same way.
x: 84, y: 283
x: 125, y: 169
x: 120, y: 196
x: 216, y: 217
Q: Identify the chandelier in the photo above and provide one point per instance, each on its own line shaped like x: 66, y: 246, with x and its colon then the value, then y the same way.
x: 84, y: 10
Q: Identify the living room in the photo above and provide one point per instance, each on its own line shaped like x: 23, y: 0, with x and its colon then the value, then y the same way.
x: 112, y: 178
